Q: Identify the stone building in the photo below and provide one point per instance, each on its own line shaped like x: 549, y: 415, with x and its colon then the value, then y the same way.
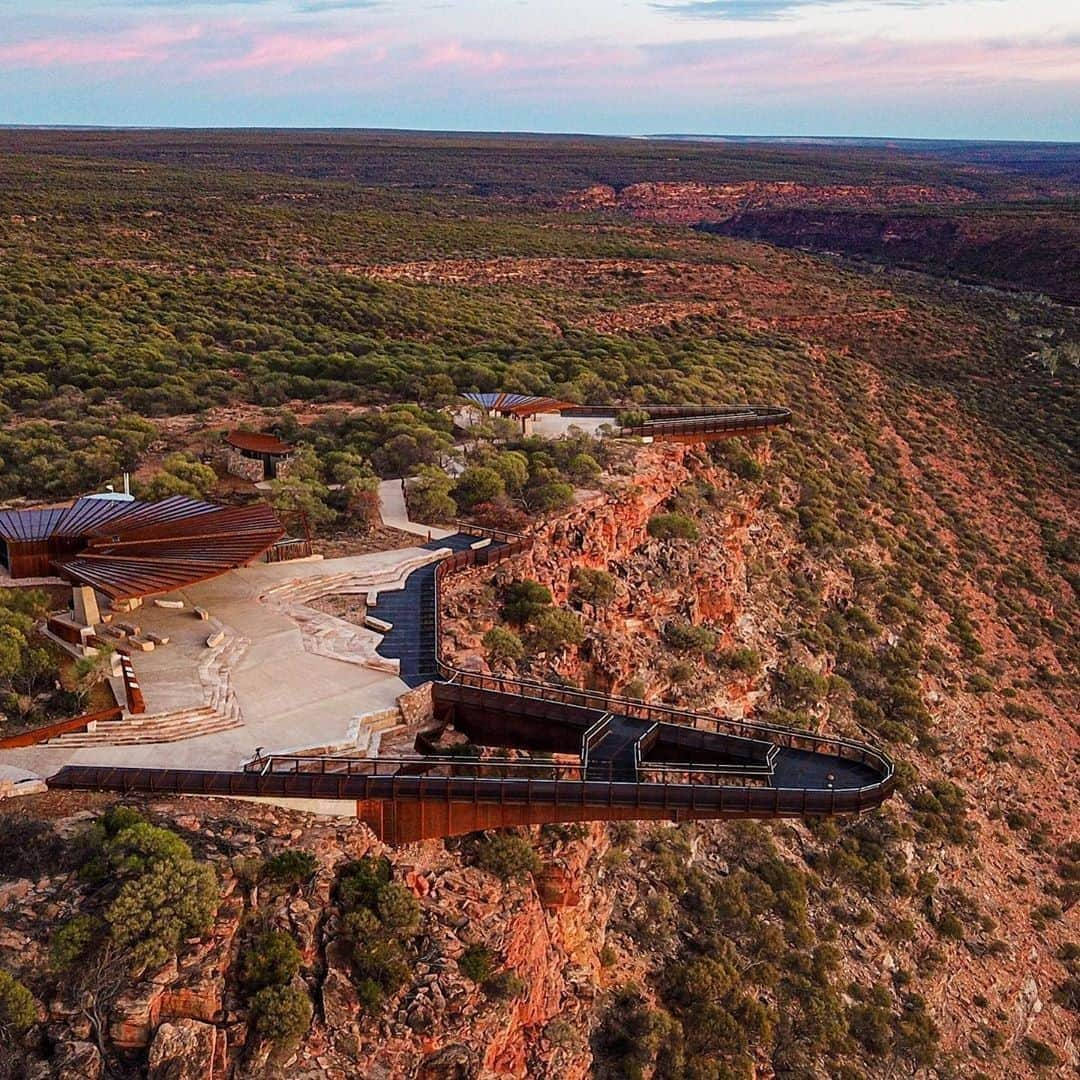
x: 255, y: 456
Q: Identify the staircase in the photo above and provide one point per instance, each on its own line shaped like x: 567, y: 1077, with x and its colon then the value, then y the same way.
x: 159, y: 728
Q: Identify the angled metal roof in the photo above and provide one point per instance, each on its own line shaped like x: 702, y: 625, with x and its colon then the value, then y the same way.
x: 258, y: 442
x: 516, y: 404
x: 139, y: 549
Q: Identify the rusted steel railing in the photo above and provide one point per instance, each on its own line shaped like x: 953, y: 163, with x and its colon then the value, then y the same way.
x: 512, y: 544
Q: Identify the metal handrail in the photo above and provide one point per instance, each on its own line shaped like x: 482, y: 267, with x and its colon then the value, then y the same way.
x: 793, y: 738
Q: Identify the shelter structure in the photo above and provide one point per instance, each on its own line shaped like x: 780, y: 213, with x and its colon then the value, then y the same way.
x: 129, y: 550
x: 521, y: 407
x: 256, y: 456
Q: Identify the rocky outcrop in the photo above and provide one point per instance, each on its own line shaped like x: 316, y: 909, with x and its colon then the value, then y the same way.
x: 983, y: 247
x: 184, y: 1050
x: 687, y: 203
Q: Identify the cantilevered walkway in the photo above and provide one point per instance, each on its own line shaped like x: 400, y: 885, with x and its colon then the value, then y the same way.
x: 588, y: 756
x: 541, y: 753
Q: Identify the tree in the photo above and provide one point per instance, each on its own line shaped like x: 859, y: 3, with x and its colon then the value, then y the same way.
x: 291, y: 867
x: 555, y: 629
x: 295, y: 495
x: 181, y: 474
x: 154, y: 912
x: 548, y: 496
x: 513, y: 467
x: 525, y: 600
x: 272, y: 959
x: 478, y: 484
x: 429, y: 496
x: 503, y: 645
x: 281, y: 1013
x: 398, y: 909
x: 507, y: 856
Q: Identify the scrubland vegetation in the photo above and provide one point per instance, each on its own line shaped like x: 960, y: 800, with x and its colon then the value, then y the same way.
x: 912, y: 574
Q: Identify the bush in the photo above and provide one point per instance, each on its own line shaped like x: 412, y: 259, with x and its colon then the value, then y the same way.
x: 507, y: 856
x: 281, y: 1013
x: 595, y: 587
x: 525, y: 600
x: 672, y: 527
x: 398, y: 909
x: 477, y: 963
x: 747, y: 661
x: 141, y: 846
x: 478, y: 484
x: 72, y: 940
x: 429, y: 496
x: 290, y: 867
x: 380, y: 969
x: 555, y: 629
x: 504, y: 645
x: 689, y: 638
x: 504, y: 986
x: 155, y: 912
x: 360, y: 882
x: 272, y: 959
x: 17, y: 1009
x: 1039, y: 1053
x: 553, y: 495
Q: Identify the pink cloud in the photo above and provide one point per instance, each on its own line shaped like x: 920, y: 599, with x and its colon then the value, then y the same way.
x: 286, y: 52
x: 454, y: 54
x: 144, y: 43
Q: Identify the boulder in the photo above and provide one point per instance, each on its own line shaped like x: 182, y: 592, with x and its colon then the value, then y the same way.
x: 183, y: 1050
x: 76, y: 1061
x: 455, y: 1062
x: 135, y: 1013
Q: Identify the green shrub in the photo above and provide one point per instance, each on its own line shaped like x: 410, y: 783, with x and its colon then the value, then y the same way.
x: 154, y: 912
x: 398, y: 909
x: 507, y: 856
x: 272, y: 959
x: 139, y: 847
x: 689, y: 638
x: 478, y: 484
x: 17, y: 1009
x: 525, y: 600
x: 1039, y: 1053
x: 360, y: 882
x: 745, y: 660
x: 504, y: 986
x: 477, y: 963
x: 502, y: 644
x: 380, y: 969
x: 596, y: 587
x: 555, y: 629
x: 672, y: 527
x: 73, y: 940
x: 553, y: 495
x: 290, y: 867
x: 800, y: 687
x: 281, y: 1013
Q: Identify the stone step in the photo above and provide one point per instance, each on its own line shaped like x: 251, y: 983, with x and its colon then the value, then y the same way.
x: 163, y: 727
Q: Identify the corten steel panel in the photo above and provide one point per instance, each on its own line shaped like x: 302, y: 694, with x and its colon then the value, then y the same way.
x: 129, y: 549
x: 673, y: 743
x: 258, y: 443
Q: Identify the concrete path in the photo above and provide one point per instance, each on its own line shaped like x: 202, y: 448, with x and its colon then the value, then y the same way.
x: 395, y: 515
x: 289, y: 697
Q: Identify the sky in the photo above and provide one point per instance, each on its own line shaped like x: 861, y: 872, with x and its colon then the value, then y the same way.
x: 980, y: 69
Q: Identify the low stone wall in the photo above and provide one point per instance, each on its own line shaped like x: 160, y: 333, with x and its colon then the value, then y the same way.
x: 244, y: 467
x: 417, y: 706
